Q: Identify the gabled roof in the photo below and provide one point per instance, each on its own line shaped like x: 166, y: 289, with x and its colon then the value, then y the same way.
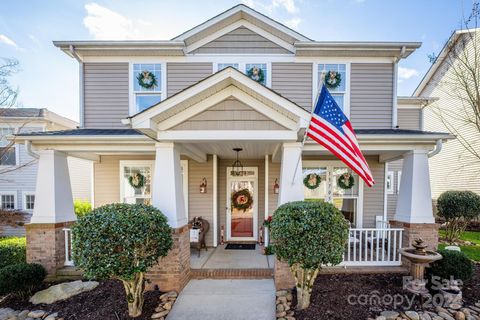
x: 441, y: 58
x: 236, y: 13
x: 30, y: 114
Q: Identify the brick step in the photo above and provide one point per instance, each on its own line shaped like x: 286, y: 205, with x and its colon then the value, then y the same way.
x: 231, y: 274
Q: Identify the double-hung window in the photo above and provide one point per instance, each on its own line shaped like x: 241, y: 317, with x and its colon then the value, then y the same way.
x: 28, y: 201
x: 7, y: 149
x: 222, y: 66
x: 339, y: 93
x: 8, y: 200
x: 146, y: 95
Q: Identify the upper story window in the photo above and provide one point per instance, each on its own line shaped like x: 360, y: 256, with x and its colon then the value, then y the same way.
x: 222, y: 66
x: 257, y: 72
x: 147, y: 84
x: 339, y: 93
x: 7, y: 150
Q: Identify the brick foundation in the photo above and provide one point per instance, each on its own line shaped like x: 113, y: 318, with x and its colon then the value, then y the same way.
x: 283, y: 276
x: 173, y: 271
x: 46, y: 245
x: 427, y: 231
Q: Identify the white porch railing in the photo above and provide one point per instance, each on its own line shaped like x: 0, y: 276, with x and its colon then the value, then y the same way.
x: 373, y: 247
x: 68, y: 247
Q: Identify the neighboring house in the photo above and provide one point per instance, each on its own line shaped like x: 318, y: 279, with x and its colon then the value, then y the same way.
x: 238, y: 80
x: 455, y: 169
x: 18, y: 169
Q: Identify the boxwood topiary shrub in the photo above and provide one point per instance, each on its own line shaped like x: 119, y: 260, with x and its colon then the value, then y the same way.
x: 454, y: 264
x: 21, y: 279
x: 13, y: 250
x: 458, y: 208
x: 307, y: 235
x: 121, y: 241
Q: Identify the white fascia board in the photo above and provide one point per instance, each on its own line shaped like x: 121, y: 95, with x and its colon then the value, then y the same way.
x: 234, y: 26
x: 227, y: 135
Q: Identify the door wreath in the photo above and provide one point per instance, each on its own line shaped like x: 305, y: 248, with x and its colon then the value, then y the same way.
x: 242, y: 199
x: 136, y: 180
x: 346, y: 181
x: 312, y: 181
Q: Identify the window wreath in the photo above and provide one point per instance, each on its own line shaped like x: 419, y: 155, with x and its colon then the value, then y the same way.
x: 242, y: 199
x: 147, y: 79
x: 136, y: 180
x: 312, y: 181
x: 257, y: 74
x: 333, y: 79
x: 346, y: 181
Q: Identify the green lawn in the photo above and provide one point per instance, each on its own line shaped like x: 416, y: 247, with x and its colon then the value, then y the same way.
x: 473, y: 252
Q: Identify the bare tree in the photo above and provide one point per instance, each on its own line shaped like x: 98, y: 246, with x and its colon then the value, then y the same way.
x: 460, y: 82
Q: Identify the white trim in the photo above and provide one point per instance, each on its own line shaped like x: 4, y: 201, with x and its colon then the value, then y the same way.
x: 92, y: 183
x: 222, y: 135
x: 267, y: 187
x: 9, y: 193
x: 329, y: 165
x: 255, y: 203
x: 390, y: 174
x: 385, y: 197
x: 132, y: 107
x: 394, y: 96
x: 399, y: 178
x: 316, y: 83
x: 215, y: 200
x: 81, y: 118
x: 24, y: 200
x: 184, y: 166
x: 237, y: 24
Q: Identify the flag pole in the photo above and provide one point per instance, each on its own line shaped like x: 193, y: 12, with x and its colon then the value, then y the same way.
x: 306, y: 129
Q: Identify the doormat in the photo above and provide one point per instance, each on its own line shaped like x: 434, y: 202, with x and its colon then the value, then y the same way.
x: 240, y: 246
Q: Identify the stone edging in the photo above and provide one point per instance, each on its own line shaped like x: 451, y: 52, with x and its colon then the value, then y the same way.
x: 283, y: 303
x: 166, y: 303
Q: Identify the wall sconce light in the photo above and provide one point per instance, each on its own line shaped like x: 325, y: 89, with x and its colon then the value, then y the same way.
x: 203, y: 186
x: 276, y: 187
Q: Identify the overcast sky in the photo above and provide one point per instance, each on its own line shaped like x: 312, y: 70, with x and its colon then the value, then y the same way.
x: 49, y: 78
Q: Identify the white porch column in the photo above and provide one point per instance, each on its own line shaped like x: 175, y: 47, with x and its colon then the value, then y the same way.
x: 167, y: 190
x: 291, y: 188
x: 414, y: 204
x: 53, y: 194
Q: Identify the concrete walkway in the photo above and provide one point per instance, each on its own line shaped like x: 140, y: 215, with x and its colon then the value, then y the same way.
x: 220, y: 258
x: 225, y: 299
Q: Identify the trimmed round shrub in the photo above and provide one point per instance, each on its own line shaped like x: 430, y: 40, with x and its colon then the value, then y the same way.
x: 307, y: 235
x: 454, y: 264
x: 21, y: 279
x: 122, y: 241
x: 12, y: 251
x: 458, y: 208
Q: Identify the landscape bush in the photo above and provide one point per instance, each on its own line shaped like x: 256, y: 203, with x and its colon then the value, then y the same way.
x: 13, y: 250
x: 21, y: 279
x: 121, y: 241
x: 307, y: 235
x: 454, y: 264
x: 458, y: 208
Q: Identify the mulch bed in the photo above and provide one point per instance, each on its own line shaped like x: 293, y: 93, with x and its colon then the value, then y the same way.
x: 330, y: 296
x: 105, y: 302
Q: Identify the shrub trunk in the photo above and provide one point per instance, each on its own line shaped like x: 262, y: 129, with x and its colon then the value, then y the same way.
x: 304, y: 279
x: 134, y: 290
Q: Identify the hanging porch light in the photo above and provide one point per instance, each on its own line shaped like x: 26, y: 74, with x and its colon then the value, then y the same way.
x: 237, y: 166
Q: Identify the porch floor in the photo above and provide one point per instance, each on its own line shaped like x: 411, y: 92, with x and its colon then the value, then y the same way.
x: 220, y: 258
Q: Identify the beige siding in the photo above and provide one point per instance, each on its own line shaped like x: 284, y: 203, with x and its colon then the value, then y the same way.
x: 371, y: 87
x: 453, y: 168
x: 201, y: 204
x: 273, y: 173
x: 230, y: 114
x: 373, y: 198
x: 181, y: 75
x: 222, y: 188
x: 105, y: 95
x: 409, y: 119
x: 107, y: 178
x: 294, y: 82
x: 241, y: 40
x: 80, y: 178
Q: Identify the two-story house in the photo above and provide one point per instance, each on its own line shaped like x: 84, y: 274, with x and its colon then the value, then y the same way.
x: 18, y: 168
x: 163, y: 122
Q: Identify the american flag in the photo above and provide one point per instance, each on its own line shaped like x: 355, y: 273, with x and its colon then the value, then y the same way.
x: 330, y: 127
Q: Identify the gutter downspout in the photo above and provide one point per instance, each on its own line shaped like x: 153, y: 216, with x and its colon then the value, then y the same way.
x: 438, y: 148
x: 395, y: 85
x: 30, y: 152
x: 80, y: 84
